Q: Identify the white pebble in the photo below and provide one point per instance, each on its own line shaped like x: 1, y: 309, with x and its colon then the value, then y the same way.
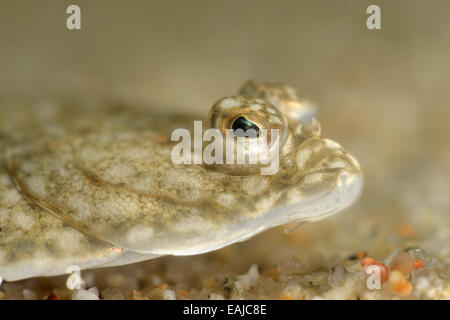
x: 84, y: 295
x: 94, y: 290
x: 169, y: 295
x: 246, y: 281
x: 216, y: 296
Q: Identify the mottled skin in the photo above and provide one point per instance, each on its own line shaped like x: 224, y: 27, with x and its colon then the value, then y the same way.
x: 96, y: 187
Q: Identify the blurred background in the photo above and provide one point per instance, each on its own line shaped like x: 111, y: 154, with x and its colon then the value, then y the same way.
x: 383, y: 94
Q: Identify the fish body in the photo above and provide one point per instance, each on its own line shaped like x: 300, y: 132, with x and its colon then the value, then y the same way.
x: 98, y: 187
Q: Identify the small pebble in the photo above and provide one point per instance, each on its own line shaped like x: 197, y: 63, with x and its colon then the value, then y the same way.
x: 399, y: 284
x: 84, y: 295
x: 418, y: 264
x: 293, y: 291
x: 94, y: 290
x: 421, y: 254
x: 183, y: 294
x: 246, y: 281
x: 216, y: 296
x: 169, y: 295
x: 402, y: 262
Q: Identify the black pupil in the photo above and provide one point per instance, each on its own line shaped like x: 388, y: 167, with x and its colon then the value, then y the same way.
x: 244, y: 124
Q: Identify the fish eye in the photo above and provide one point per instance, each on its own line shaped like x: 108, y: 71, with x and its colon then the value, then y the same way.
x: 261, y: 125
x: 245, y: 128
